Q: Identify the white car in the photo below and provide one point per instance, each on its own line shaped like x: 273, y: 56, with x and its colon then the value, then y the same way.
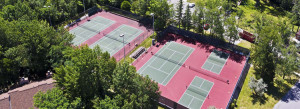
x: 191, y: 5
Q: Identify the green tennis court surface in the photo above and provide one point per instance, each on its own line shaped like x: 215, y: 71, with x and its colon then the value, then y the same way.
x: 163, y: 65
x: 112, y: 42
x: 196, y: 93
x: 89, y: 29
x: 216, y: 61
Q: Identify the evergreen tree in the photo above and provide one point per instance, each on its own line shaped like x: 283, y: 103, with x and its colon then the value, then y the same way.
x: 162, y: 12
x: 186, y: 21
x: 179, y: 12
x: 231, y: 31
x: 295, y: 19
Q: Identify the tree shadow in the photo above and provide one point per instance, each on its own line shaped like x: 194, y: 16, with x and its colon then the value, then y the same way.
x: 257, y: 98
x: 175, y: 37
x: 236, y: 57
x: 278, y: 91
x: 293, y: 94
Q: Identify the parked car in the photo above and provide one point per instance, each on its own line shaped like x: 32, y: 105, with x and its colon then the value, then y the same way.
x: 191, y: 5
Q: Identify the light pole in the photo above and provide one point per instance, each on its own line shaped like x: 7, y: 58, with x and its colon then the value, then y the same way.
x: 122, y: 35
x: 49, y: 14
x: 152, y: 14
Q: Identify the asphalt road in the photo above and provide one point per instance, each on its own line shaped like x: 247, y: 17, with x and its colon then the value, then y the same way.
x: 185, y: 3
x: 291, y: 100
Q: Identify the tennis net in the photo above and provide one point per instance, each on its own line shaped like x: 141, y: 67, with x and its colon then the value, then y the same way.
x: 90, y: 29
x: 170, y: 60
x: 197, y: 91
x: 114, y: 38
x: 208, y: 74
x: 215, y: 59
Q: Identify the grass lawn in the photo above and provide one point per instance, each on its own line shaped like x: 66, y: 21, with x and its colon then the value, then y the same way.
x: 273, y: 95
x: 247, y: 20
x: 146, y: 43
x: 245, y: 44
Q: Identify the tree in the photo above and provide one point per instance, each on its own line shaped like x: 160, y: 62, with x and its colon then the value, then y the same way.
x: 83, y: 75
x: 218, y: 28
x: 126, y: 5
x: 8, y: 70
x: 116, y: 3
x: 29, y: 44
x: 264, y: 61
x: 231, y: 30
x: 55, y: 98
x: 186, y: 21
x: 258, y: 86
x: 107, y: 103
x: 136, y: 91
x: 295, y: 18
x: 288, y: 62
x: 162, y: 12
x: 140, y: 7
x: 93, y: 77
x: 198, y: 17
x: 179, y: 12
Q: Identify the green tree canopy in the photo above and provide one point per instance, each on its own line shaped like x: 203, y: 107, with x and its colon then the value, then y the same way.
x: 126, y: 5
x: 187, y: 19
x: 55, y: 99
x: 162, y: 12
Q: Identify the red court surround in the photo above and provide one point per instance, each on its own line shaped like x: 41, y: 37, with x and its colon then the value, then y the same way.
x: 220, y: 93
x: 119, y: 20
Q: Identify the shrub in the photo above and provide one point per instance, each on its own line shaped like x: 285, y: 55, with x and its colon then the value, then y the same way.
x: 258, y: 86
x: 126, y: 5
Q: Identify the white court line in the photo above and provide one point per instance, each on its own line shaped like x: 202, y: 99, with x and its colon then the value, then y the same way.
x: 89, y: 34
x: 177, y: 63
x: 166, y: 60
x: 158, y: 70
x: 177, y: 51
x: 193, y: 100
x: 216, y: 64
x: 119, y: 46
x: 152, y: 60
x: 200, y: 88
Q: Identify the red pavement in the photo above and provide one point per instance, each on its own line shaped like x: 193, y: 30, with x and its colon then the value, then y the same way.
x: 220, y: 93
x: 119, y: 20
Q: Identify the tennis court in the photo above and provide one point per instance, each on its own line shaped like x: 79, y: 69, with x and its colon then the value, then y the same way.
x: 112, y: 42
x: 196, y: 93
x: 163, y: 65
x: 216, y: 61
x: 89, y: 29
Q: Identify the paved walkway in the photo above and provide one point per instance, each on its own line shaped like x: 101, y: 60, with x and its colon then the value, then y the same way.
x: 184, y: 2
x: 291, y: 100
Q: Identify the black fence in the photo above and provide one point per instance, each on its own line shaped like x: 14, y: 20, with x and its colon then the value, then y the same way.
x: 143, y: 20
x: 204, y: 39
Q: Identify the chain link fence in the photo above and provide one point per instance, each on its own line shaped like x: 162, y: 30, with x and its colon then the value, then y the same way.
x: 131, y: 45
x: 204, y: 39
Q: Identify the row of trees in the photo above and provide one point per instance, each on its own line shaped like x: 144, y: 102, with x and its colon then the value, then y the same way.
x: 85, y: 78
x: 29, y: 48
x: 211, y: 12
x: 273, y: 52
x: 90, y: 78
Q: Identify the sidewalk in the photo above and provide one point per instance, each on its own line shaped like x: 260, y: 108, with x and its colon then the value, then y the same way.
x: 291, y: 100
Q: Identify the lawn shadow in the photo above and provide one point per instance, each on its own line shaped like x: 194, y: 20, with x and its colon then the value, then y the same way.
x: 260, y: 99
x: 278, y: 91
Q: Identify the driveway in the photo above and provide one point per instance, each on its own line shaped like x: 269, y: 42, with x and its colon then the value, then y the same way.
x: 184, y: 2
x: 291, y: 100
